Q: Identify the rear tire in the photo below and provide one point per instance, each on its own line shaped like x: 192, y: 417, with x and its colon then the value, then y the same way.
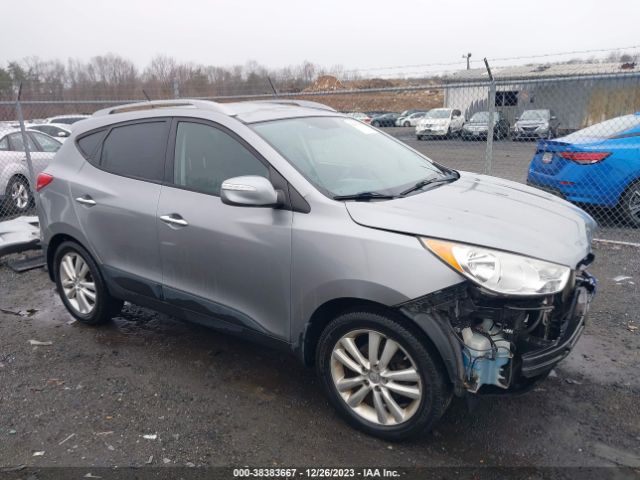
x: 19, y: 198
x: 81, y: 286
x: 380, y: 410
x: 630, y: 204
x: 407, y: 124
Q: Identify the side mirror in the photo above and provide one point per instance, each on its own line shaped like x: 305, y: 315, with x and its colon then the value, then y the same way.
x: 63, y: 134
x: 553, y: 117
x: 249, y: 191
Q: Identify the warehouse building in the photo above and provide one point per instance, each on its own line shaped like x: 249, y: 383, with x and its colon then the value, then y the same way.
x: 579, y: 94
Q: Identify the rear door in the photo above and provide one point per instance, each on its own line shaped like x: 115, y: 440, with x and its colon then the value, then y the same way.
x: 116, y: 195
x: 225, y: 262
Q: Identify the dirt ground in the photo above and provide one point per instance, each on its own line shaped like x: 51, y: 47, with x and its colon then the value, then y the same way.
x: 148, y: 390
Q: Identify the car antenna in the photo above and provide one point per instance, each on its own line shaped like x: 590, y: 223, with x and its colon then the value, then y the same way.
x: 275, y: 92
x: 145, y: 95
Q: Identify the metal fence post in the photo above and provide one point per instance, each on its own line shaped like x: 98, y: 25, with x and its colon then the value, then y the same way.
x: 176, y: 88
x: 27, y: 152
x: 488, y: 156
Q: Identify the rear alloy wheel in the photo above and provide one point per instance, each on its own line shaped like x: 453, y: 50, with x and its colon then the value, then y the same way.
x: 19, y: 198
x: 631, y: 204
x: 380, y: 377
x: 81, y: 287
x: 407, y: 124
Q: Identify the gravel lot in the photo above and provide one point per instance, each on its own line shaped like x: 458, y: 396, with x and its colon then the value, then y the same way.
x: 206, y: 399
x: 91, y: 397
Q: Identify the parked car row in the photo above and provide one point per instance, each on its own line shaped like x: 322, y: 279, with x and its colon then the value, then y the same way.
x: 447, y: 122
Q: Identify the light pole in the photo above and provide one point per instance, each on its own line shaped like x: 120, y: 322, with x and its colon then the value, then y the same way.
x: 467, y: 56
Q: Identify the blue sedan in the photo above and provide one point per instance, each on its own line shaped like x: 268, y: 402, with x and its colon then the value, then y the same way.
x: 596, y: 166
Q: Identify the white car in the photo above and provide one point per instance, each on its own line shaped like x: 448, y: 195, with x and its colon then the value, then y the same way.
x: 440, y: 122
x: 410, y: 120
x: 15, y: 193
x: 55, y: 130
x: 66, y: 119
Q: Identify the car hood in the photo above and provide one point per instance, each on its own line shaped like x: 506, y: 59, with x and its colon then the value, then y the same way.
x: 490, y: 212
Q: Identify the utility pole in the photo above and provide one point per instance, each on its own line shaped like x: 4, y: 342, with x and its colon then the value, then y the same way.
x: 467, y: 56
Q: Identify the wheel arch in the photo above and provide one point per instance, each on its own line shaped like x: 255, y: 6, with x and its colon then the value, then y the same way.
x: 55, y: 241
x: 331, y: 309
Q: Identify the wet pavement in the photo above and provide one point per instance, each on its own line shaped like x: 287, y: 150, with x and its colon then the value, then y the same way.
x: 150, y: 390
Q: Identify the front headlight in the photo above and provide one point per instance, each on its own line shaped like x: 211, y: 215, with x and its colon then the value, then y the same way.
x: 501, y: 272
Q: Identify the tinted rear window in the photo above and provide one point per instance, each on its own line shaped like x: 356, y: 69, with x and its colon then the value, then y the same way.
x: 88, y: 144
x: 611, y: 128
x: 136, y: 150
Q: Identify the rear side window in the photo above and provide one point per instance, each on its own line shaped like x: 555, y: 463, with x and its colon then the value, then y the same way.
x: 17, y: 145
x: 4, y: 144
x: 206, y: 156
x: 88, y: 145
x: 136, y: 150
x: 47, y: 144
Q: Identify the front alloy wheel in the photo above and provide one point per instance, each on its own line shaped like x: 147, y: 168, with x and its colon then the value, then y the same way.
x: 381, y: 375
x: 376, y: 377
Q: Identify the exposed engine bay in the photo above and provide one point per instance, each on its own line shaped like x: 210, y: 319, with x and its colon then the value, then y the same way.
x: 506, y: 343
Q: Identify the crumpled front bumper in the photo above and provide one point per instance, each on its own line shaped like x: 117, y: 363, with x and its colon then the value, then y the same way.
x: 538, y: 362
x: 442, y: 315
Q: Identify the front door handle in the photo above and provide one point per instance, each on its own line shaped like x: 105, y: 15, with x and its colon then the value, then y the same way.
x: 174, y: 219
x: 86, y: 200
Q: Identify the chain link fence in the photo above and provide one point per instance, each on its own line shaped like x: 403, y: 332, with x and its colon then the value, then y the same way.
x: 572, y: 130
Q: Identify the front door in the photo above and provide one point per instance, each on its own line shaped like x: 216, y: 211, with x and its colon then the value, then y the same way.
x: 229, y: 263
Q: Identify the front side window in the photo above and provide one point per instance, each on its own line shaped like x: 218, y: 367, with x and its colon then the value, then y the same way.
x: 47, y: 144
x: 136, y: 150
x: 343, y: 157
x: 17, y: 144
x: 206, y: 156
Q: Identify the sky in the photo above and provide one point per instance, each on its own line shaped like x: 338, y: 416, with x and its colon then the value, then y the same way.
x: 358, y: 34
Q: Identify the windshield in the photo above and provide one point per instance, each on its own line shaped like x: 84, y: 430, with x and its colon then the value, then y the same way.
x: 484, y: 117
x: 535, y: 115
x: 607, y: 129
x: 437, y: 113
x: 343, y: 157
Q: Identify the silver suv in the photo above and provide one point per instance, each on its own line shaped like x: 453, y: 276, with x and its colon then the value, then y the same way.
x: 404, y: 282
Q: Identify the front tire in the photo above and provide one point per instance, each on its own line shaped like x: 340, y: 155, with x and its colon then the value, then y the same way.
x: 407, y: 124
x: 81, y: 286
x: 380, y: 377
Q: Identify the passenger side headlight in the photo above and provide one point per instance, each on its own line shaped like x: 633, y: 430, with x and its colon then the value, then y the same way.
x: 501, y: 272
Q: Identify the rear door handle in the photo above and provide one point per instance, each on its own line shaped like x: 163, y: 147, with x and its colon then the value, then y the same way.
x: 174, y: 219
x: 86, y: 200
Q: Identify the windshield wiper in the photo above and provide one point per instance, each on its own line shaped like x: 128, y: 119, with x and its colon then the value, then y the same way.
x: 365, y: 196
x: 430, y: 181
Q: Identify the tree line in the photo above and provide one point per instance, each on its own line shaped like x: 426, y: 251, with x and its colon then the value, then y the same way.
x: 114, y: 77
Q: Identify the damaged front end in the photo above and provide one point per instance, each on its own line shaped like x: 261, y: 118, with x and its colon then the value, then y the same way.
x: 499, y: 344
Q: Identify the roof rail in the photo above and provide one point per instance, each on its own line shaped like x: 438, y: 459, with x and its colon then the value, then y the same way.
x: 300, y: 103
x: 176, y: 103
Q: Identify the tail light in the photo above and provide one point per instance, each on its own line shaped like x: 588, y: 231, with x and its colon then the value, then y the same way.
x: 43, y: 180
x: 585, y: 158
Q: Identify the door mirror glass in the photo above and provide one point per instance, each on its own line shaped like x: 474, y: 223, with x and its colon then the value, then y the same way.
x: 553, y: 117
x: 249, y: 191
x: 63, y: 134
